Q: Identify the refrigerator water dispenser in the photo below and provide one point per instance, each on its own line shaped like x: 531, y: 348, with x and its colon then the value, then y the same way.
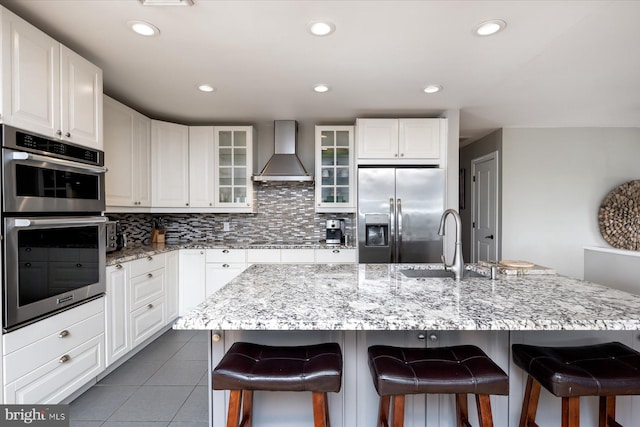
x: 377, y: 230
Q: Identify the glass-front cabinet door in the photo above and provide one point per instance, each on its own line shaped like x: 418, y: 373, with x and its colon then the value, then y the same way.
x: 334, y: 174
x: 234, y: 153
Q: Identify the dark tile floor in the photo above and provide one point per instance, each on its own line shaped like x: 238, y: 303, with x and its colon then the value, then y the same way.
x: 164, y: 385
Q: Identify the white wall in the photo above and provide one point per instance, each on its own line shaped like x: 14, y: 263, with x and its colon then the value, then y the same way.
x: 553, y: 183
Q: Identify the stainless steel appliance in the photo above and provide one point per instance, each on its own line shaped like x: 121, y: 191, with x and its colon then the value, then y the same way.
x: 54, y: 234
x: 116, y: 239
x: 335, y: 231
x: 399, y: 212
x: 51, y: 263
x: 42, y: 175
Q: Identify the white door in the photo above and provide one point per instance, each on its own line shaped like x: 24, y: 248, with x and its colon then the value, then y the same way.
x: 484, y: 171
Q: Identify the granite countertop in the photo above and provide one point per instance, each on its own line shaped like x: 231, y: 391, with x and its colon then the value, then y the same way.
x: 379, y: 297
x: 137, y: 251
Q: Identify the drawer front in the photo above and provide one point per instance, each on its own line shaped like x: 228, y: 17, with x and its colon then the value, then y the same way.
x: 67, y: 337
x: 297, y: 256
x: 147, y: 264
x: 146, y: 321
x: 226, y: 255
x: 336, y: 256
x: 53, y: 325
x: 55, y: 380
x: 146, y: 288
x: 263, y: 256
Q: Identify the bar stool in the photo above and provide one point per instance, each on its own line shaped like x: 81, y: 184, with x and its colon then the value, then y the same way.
x: 459, y: 370
x: 605, y: 370
x: 248, y: 367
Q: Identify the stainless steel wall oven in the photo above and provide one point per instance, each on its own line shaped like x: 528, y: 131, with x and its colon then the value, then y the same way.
x: 54, y: 236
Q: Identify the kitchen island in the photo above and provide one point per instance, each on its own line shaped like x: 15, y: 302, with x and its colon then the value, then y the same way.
x: 362, y: 305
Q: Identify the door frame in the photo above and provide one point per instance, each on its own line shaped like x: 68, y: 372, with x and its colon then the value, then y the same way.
x: 474, y: 195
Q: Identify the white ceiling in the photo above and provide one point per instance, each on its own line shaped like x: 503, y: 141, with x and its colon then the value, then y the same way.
x: 557, y: 64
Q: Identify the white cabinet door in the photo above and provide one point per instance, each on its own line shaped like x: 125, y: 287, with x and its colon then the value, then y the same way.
x: 170, y: 164
x: 192, y: 279
x: 419, y: 138
x: 172, y: 280
x: 141, y: 160
x: 117, y: 312
x: 335, y: 165
x: 81, y: 100
x: 336, y: 255
x: 201, y: 166
x: 377, y: 138
x: 30, y: 77
x: 234, y: 167
x: 119, y: 154
x: 219, y: 274
x: 146, y: 321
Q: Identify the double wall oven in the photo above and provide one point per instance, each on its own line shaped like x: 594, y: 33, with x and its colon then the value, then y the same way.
x: 54, y: 237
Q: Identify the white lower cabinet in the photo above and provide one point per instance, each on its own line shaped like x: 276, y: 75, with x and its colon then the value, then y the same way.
x: 146, y: 298
x: 49, y: 360
x: 222, y: 266
x: 146, y: 321
x: 192, y: 279
x: 117, y: 313
x: 172, y: 280
x: 336, y: 256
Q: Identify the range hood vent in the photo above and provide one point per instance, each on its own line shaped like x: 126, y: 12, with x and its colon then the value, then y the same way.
x: 284, y: 165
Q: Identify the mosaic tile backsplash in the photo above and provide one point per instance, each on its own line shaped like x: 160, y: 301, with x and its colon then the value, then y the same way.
x: 285, y: 214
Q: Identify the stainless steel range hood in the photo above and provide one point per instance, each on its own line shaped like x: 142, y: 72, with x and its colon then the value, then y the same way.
x: 284, y: 165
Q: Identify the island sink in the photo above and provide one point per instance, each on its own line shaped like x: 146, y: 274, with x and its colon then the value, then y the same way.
x: 437, y: 273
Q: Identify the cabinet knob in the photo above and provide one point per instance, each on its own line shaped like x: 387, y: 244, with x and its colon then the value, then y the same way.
x: 216, y: 337
x: 395, y: 155
x: 402, y: 155
x: 149, y: 258
x: 225, y: 251
x: 150, y: 306
x: 63, y: 334
x: 64, y: 358
x: 225, y: 265
x: 68, y: 135
x: 59, y: 132
x: 149, y: 275
x: 433, y: 338
x: 421, y: 336
x: 186, y: 204
x: 210, y: 204
x: 119, y: 267
x: 336, y: 251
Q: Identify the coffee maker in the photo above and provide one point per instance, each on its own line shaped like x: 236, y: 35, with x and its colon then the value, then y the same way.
x: 335, y: 231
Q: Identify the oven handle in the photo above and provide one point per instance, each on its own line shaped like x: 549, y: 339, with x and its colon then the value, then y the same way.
x: 34, y: 222
x: 21, y: 155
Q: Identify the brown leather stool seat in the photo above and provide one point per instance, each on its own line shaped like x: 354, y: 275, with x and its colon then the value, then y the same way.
x: 459, y: 370
x: 247, y: 367
x: 606, y: 370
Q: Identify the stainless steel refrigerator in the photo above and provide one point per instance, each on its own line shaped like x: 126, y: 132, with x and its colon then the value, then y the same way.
x: 399, y: 212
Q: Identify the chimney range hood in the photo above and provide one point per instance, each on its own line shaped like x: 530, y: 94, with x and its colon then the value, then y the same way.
x: 284, y: 165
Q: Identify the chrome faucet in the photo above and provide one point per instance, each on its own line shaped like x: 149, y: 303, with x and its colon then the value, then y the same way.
x: 457, y: 266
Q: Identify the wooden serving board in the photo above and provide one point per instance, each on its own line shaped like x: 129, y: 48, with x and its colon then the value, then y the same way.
x: 516, y: 263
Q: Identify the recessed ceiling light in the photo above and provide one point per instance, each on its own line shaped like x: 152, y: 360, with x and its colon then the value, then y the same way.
x: 321, y: 88
x: 206, y: 88
x: 143, y: 28
x: 321, y: 28
x: 491, y: 27
x: 432, y: 88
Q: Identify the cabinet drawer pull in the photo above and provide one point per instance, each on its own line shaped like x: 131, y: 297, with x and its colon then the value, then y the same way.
x: 149, y: 275
x: 225, y: 251
x: 119, y: 266
x: 64, y: 358
x: 216, y: 337
x: 149, y: 258
x: 150, y: 306
x: 59, y: 132
x: 336, y: 251
x: 225, y: 265
x: 68, y: 135
x: 63, y: 334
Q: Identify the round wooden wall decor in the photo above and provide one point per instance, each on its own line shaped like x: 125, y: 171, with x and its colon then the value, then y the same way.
x: 619, y: 216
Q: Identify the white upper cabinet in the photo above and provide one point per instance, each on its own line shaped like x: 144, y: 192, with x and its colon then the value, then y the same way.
x: 201, y: 167
x: 127, y: 147
x: 400, y: 140
x: 334, y: 171
x: 170, y: 165
x: 47, y: 88
x: 234, y: 167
